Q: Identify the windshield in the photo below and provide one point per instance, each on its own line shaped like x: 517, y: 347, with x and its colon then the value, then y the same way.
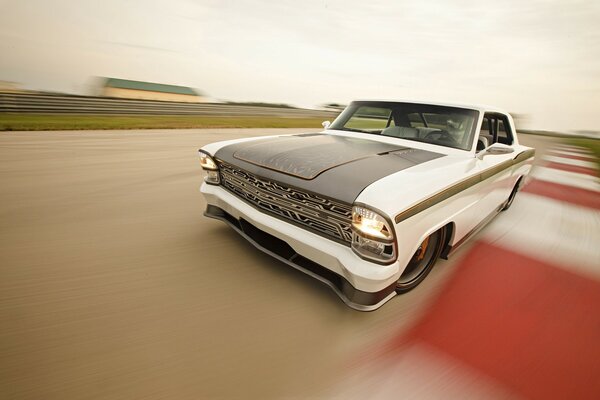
x: 445, y: 126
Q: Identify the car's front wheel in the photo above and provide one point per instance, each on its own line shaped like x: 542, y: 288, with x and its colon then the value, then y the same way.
x: 422, y: 261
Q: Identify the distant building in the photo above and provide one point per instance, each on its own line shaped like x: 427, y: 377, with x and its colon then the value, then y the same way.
x: 127, y: 89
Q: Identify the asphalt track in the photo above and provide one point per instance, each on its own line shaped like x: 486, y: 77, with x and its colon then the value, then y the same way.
x: 113, y: 285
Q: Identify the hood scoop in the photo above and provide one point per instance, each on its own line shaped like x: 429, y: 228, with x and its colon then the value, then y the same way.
x: 307, y: 156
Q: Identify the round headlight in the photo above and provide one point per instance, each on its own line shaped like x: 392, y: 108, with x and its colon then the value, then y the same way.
x: 371, y: 224
x: 210, y: 167
x: 207, y: 162
x: 372, y: 236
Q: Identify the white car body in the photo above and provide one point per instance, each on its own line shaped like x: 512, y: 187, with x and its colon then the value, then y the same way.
x: 459, y: 191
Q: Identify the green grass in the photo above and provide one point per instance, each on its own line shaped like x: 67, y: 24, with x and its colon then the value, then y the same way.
x: 27, y: 122
x: 591, y: 144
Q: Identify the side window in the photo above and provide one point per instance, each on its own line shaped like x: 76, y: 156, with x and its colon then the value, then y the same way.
x: 504, y: 133
x: 486, y: 134
x: 485, y: 137
x: 485, y: 127
x: 496, y: 129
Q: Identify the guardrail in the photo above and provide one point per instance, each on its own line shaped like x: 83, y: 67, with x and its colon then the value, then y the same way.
x: 43, y: 103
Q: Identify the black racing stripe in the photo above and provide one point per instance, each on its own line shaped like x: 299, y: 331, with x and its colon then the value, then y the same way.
x: 463, y: 185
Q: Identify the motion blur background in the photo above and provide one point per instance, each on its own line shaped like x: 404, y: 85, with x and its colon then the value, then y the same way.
x: 113, y: 285
x: 540, y: 59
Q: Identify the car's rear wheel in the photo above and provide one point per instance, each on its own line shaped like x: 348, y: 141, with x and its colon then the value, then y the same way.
x: 422, y: 261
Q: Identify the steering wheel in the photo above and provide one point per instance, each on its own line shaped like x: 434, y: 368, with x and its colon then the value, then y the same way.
x: 442, y: 136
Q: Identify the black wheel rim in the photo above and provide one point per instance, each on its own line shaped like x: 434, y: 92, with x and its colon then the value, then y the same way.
x: 421, y: 260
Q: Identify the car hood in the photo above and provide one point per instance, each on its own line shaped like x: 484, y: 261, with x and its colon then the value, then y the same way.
x: 335, y: 166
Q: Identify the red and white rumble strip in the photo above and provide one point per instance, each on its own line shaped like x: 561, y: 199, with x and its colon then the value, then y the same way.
x: 520, y: 317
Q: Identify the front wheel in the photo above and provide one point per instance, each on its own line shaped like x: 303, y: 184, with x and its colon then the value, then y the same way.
x: 422, y: 261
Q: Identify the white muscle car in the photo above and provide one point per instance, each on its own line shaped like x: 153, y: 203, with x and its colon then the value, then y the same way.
x: 368, y: 205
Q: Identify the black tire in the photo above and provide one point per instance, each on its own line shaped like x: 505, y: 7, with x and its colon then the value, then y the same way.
x: 511, y: 198
x: 422, y: 261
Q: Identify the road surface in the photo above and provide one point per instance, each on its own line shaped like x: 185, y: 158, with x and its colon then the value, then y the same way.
x: 113, y: 285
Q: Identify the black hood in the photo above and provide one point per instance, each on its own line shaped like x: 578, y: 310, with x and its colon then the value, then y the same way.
x: 307, y: 156
x: 338, y: 167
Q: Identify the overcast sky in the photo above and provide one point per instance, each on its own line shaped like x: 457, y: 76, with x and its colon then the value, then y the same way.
x: 540, y: 58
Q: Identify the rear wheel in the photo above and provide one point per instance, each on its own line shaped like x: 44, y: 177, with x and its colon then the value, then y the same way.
x: 422, y: 261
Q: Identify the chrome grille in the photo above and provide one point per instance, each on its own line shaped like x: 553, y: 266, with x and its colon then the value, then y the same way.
x: 318, y: 214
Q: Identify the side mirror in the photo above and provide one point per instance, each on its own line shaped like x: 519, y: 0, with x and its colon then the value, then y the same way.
x: 495, y: 149
x: 326, y: 124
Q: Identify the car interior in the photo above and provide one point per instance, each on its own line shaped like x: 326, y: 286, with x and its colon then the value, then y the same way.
x: 445, y: 126
x: 493, y: 130
x: 447, y: 130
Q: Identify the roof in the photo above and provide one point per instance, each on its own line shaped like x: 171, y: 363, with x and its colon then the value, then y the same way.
x: 478, y: 107
x: 148, y: 86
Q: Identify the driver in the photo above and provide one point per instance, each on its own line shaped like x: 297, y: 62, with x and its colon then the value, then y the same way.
x: 454, y: 128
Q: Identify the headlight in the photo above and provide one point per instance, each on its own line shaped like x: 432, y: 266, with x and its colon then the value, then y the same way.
x: 207, y: 162
x: 371, y: 224
x: 210, y: 167
x: 373, y: 238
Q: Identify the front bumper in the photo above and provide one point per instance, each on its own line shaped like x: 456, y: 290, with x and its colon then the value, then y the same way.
x: 362, y: 285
